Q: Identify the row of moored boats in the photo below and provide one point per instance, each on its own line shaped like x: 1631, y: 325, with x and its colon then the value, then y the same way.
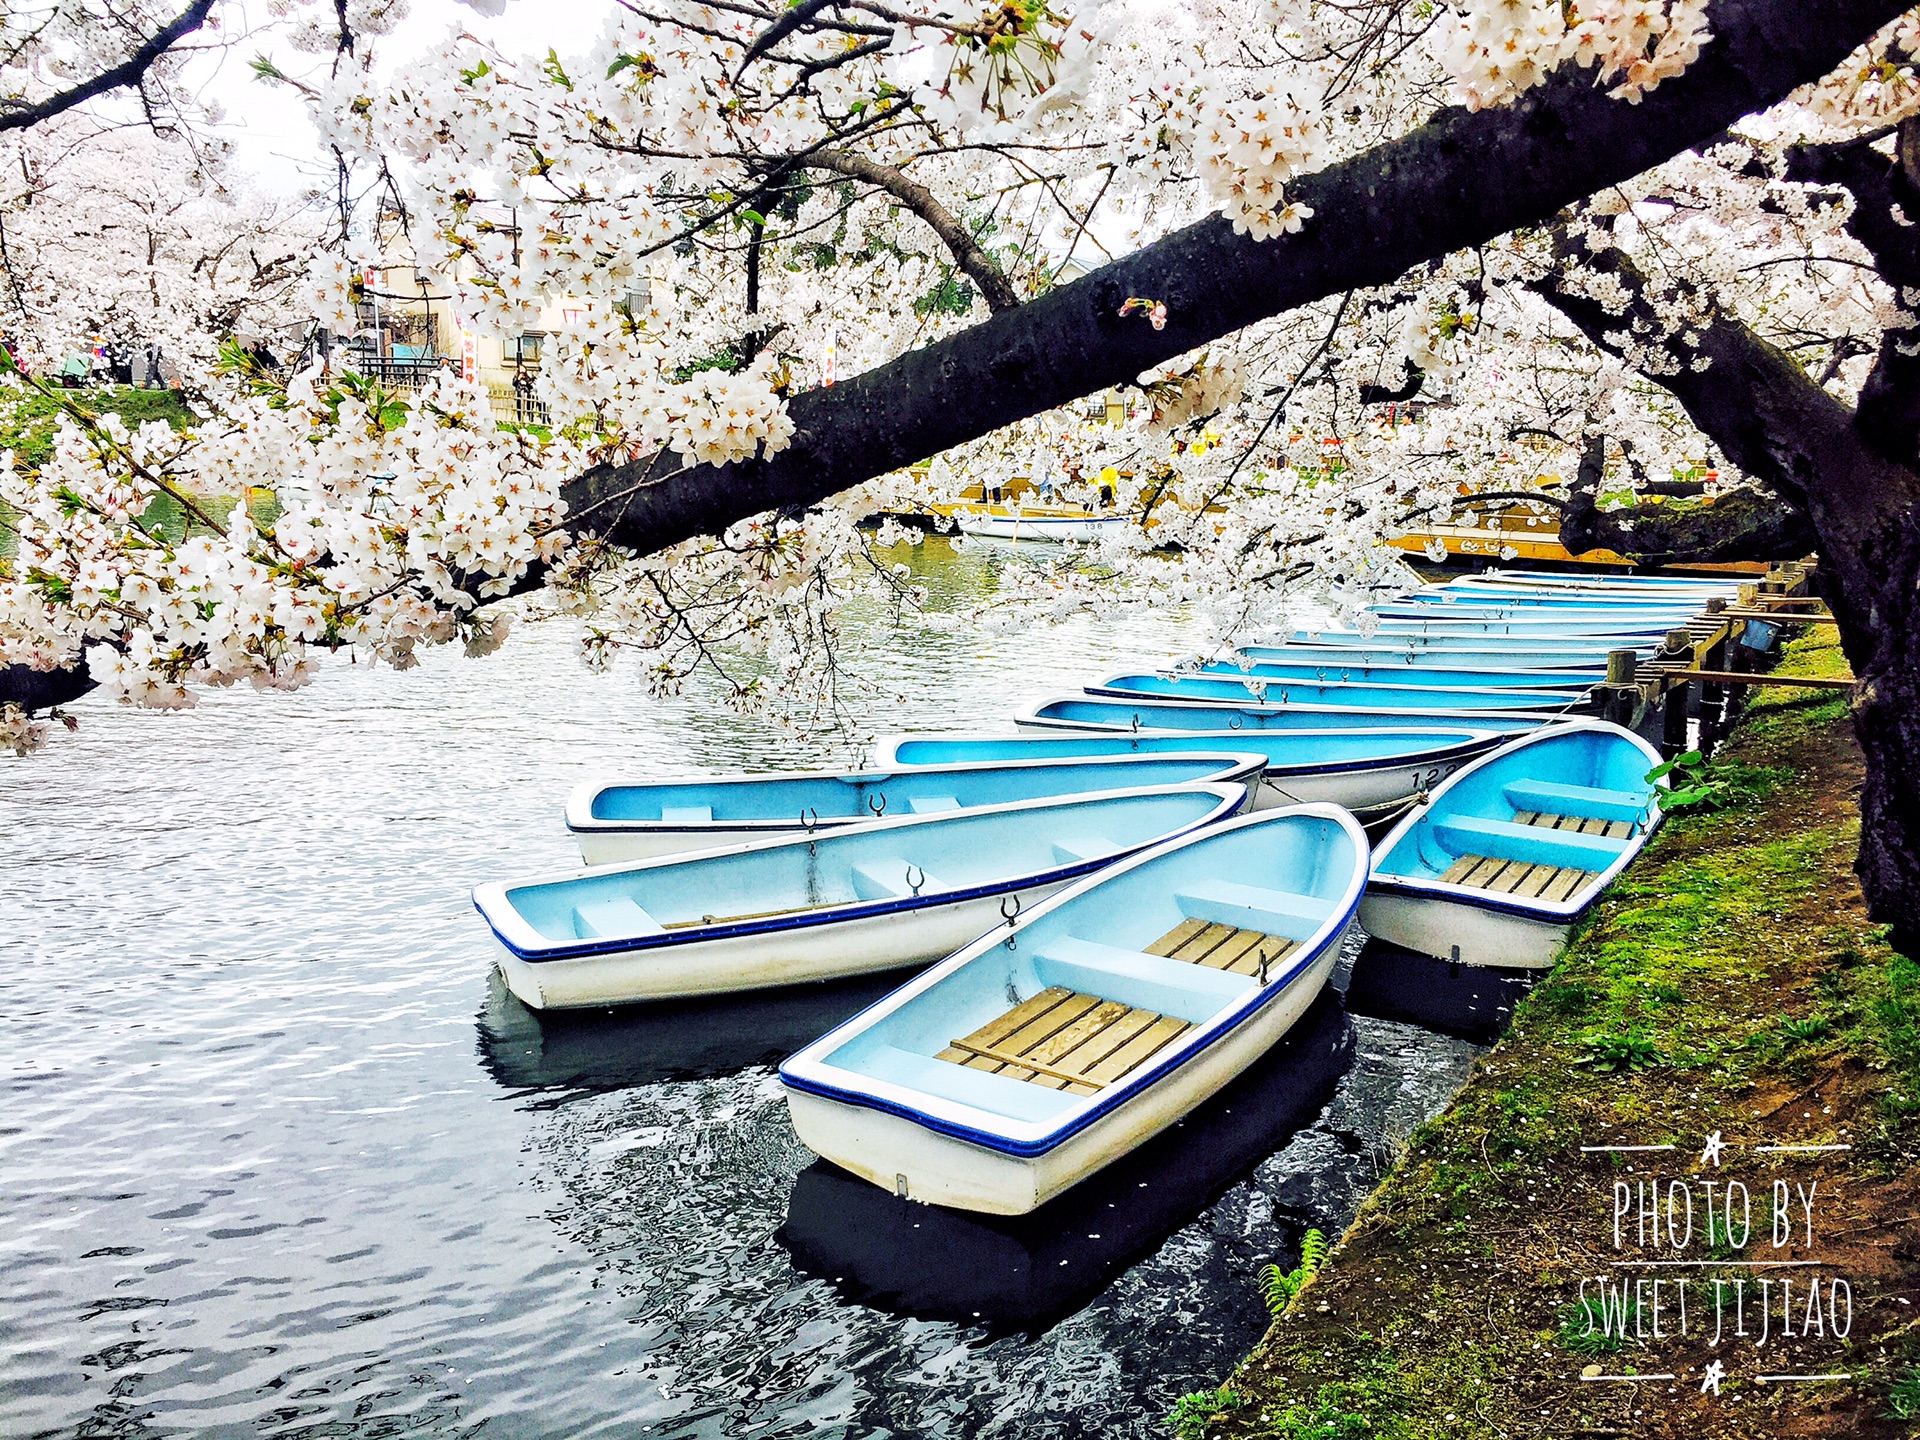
x: 1128, y: 901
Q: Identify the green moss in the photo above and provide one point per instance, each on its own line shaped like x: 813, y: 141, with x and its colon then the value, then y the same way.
x: 1735, y: 960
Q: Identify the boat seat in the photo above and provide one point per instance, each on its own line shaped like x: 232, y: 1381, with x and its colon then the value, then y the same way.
x: 932, y: 804
x: 1472, y: 835
x: 1078, y: 849
x: 686, y: 814
x: 617, y: 915
x: 888, y: 880
x: 1217, y: 946
x: 1147, y: 981
x: 1064, y: 1040
x: 1577, y: 802
x: 1526, y: 880
x: 1273, y: 912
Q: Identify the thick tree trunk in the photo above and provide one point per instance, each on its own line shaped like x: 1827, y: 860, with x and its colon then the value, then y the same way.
x: 1780, y: 428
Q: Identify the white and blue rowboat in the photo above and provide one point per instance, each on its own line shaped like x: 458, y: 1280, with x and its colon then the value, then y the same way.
x: 855, y: 901
x: 1572, y: 617
x: 1511, y: 850
x: 1565, y: 630
x: 1364, y: 770
x: 1598, y: 584
x: 637, y: 820
x: 1136, y: 714
x: 1547, y: 598
x: 1520, y: 657
x: 1049, y: 1047
x: 1441, y: 699
x: 1392, y: 672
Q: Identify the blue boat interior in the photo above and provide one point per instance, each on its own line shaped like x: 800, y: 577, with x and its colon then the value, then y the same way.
x: 796, y: 799
x: 1120, y: 714
x: 1540, y: 820
x: 1282, y: 749
x: 1095, y: 988
x: 985, y: 850
x: 1284, y: 692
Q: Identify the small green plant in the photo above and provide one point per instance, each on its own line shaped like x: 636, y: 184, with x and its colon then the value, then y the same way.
x: 1610, y: 1054
x: 1903, y: 1396
x: 1280, y: 1286
x: 1814, y: 1027
x: 1698, y: 783
x: 1191, y: 1413
x: 1720, y: 1244
x: 1584, y: 1329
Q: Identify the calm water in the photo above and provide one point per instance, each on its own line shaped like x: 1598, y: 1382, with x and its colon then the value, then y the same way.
x: 279, y: 1157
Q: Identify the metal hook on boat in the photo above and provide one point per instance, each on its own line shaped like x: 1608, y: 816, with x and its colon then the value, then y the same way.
x: 1010, y: 916
x: 879, y: 809
x: 1136, y: 722
x: 1234, y: 724
x: 913, y: 884
x: 809, y: 818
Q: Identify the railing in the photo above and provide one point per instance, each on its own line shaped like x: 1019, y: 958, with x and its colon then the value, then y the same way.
x: 510, y: 405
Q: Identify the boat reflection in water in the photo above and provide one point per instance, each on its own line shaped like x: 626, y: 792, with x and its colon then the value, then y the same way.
x: 1471, y: 1001
x: 611, y: 1049
x: 1024, y: 1273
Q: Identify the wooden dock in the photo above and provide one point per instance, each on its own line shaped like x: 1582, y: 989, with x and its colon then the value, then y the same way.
x: 1706, y: 655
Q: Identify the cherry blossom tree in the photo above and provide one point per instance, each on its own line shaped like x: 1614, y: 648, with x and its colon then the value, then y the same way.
x: 1631, y: 244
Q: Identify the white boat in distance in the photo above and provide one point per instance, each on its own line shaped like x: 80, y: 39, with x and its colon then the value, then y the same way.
x: 1005, y: 524
x: 637, y: 820
x: 855, y: 901
x: 1050, y: 1047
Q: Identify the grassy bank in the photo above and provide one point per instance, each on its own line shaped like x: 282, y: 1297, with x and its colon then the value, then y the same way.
x: 1730, y: 983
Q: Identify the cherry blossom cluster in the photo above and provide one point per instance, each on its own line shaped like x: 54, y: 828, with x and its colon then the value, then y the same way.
x: 396, y: 521
x: 1494, y: 50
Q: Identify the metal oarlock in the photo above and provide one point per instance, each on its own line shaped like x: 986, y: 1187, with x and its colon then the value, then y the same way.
x: 1010, y: 916
x: 913, y: 884
x: 877, y: 804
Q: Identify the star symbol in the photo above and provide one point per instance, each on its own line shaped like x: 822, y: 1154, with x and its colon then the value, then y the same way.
x: 1711, y: 1156
x: 1716, y: 1372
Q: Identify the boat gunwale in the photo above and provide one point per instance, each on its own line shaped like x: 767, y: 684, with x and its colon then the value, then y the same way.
x: 1111, y: 686
x: 1553, y: 911
x: 1103, y: 1102
x: 1231, y: 801
x: 1233, y: 768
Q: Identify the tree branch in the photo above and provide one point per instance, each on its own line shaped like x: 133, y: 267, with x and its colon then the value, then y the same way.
x: 19, y: 114
x: 967, y: 253
x: 1456, y: 182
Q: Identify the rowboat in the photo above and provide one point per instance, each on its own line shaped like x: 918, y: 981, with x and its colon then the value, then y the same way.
x: 1047, y: 1048
x: 1393, y: 630
x: 1281, y: 692
x: 854, y: 901
x: 1511, y: 850
x: 1132, y: 714
x: 1574, y: 619
x: 1392, y: 672
x: 1052, y: 523
x: 1367, y: 771
x: 635, y: 820
x: 1410, y: 657
x: 1026, y: 1273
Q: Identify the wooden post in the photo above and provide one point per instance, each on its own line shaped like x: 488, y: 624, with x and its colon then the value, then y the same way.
x: 1713, y: 694
x: 1622, y: 700
x: 1673, y: 737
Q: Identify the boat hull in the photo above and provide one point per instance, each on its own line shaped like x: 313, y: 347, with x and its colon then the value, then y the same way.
x: 1358, y: 790
x: 1454, y: 928
x: 921, y: 1164
x: 730, y: 964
